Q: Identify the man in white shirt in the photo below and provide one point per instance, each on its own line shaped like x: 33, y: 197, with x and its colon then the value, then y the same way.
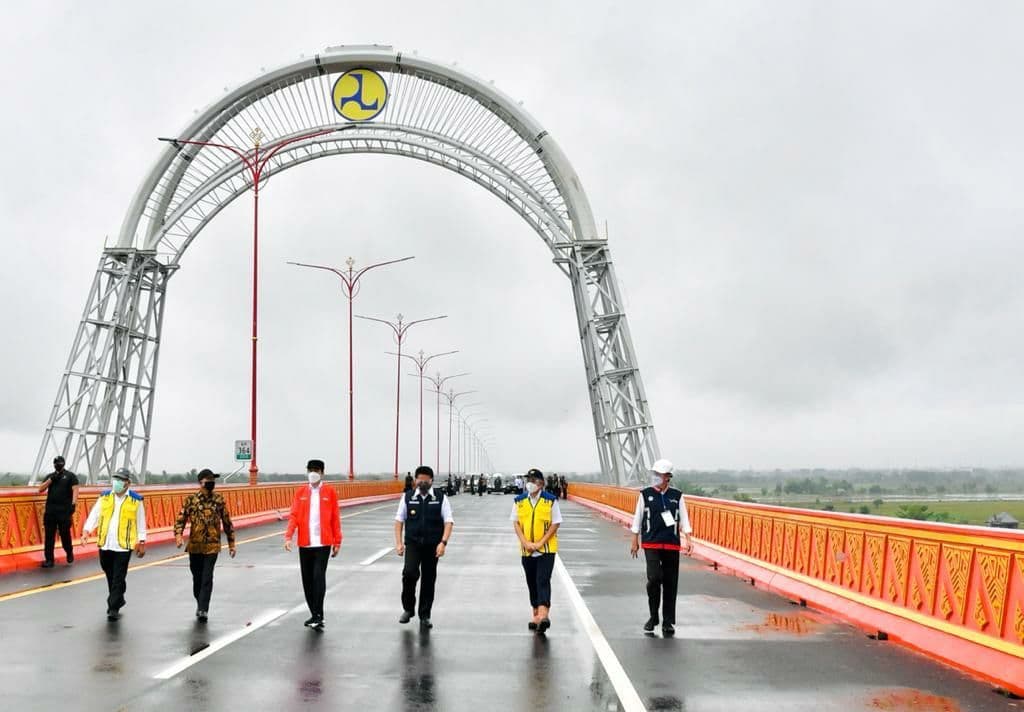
x: 423, y: 525
x: 120, y: 516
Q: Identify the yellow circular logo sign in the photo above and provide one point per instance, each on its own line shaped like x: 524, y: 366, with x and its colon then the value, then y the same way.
x: 359, y: 94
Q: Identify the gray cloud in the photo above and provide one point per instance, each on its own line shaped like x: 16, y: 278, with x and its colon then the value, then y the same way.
x: 812, y: 208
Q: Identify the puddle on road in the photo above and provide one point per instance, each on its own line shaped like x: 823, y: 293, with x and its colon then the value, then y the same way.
x: 793, y: 623
x: 916, y: 700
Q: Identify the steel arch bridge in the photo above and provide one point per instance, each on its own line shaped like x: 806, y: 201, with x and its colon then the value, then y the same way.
x: 102, y: 416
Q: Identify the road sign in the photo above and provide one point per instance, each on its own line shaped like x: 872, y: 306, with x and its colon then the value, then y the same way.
x: 243, y: 450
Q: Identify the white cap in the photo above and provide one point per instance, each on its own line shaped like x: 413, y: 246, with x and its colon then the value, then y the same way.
x: 662, y: 467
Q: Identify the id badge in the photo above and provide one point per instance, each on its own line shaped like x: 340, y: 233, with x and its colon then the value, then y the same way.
x: 669, y: 520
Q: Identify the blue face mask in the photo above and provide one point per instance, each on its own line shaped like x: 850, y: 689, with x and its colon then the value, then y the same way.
x: 119, y: 486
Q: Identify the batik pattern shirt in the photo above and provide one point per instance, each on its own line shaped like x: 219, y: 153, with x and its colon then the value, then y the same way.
x: 206, y: 512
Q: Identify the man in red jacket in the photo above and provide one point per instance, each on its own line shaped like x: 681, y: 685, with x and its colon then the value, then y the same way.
x: 316, y: 516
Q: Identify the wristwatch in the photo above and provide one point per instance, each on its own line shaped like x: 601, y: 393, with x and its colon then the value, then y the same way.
x: 445, y: 542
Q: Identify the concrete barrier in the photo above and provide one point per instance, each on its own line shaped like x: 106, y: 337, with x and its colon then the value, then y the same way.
x: 953, y: 592
x: 21, y: 513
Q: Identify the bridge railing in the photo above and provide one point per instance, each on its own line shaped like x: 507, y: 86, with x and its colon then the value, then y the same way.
x: 21, y: 509
x: 964, y: 582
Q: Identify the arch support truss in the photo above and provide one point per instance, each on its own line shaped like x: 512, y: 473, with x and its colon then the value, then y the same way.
x: 102, y: 415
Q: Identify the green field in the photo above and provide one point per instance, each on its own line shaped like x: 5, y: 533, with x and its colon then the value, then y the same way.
x: 971, y: 512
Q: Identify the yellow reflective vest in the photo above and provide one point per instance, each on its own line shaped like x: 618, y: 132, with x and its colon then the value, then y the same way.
x: 536, y: 520
x: 127, y: 524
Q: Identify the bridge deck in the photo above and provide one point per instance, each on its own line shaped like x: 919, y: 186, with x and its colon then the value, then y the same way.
x: 736, y: 647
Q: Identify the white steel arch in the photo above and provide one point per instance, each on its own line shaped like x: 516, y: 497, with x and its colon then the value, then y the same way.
x: 101, y: 418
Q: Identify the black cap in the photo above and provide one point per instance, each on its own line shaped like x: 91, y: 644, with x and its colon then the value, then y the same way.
x: 535, y: 474
x: 207, y: 472
x: 123, y: 474
x: 59, y: 458
x: 315, y: 465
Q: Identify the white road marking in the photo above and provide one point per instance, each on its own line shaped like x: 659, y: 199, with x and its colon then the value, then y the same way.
x: 222, y: 642
x: 627, y: 694
x: 370, y: 559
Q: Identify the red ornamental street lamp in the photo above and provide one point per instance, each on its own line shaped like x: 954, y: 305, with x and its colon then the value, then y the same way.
x: 438, y: 384
x: 350, y: 281
x: 421, y: 362
x: 255, y: 162
x: 451, y: 395
x: 400, y: 330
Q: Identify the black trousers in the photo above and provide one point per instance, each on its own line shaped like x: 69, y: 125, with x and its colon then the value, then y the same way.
x: 115, y: 566
x: 202, y: 578
x: 313, y: 562
x: 420, y: 560
x: 662, y: 582
x: 51, y: 525
x: 538, y: 578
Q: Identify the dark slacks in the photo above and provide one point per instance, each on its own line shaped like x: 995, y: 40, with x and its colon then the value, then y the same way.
x: 115, y: 566
x: 538, y: 578
x: 662, y: 582
x: 420, y: 560
x: 202, y: 578
x: 51, y: 525
x: 313, y: 563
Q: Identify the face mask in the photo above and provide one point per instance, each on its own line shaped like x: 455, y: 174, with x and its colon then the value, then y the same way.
x: 118, y: 486
x: 656, y: 480
x: 532, y: 487
x: 424, y: 486
x: 314, y: 478
x: 208, y: 486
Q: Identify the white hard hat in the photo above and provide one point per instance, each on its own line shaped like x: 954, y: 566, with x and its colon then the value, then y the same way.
x: 662, y: 467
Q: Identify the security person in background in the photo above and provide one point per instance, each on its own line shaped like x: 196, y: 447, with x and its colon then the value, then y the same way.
x: 426, y: 516
x: 659, y: 520
x: 120, y: 516
x: 536, y: 518
x: 205, y: 511
x: 61, y: 487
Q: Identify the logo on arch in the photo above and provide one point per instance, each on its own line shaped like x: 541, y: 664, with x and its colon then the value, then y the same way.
x: 359, y: 94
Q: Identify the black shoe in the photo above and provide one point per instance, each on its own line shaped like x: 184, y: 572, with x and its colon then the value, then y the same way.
x: 668, y: 629
x: 405, y: 617
x: 426, y: 624
x: 649, y: 625
x: 113, y: 615
x: 46, y: 565
x: 308, y: 622
x: 202, y: 616
x: 318, y: 624
x: 71, y: 559
x: 532, y: 626
x: 543, y: 625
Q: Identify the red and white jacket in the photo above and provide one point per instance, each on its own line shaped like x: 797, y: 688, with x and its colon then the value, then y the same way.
x: 330, y: 515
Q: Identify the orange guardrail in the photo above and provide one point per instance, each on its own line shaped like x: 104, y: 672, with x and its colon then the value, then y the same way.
x: 21, y: 509
x: 963, y: 581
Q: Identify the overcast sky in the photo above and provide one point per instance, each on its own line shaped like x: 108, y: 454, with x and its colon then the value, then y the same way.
x: 813, y: 208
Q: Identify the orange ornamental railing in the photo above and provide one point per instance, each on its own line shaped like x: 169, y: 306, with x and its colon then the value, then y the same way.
x: 962, y: 580
x: 21, y: 510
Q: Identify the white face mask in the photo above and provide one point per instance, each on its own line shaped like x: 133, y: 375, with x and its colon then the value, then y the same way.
x: 656, y: 480
x: 532, y: 487
x: 314, y: 478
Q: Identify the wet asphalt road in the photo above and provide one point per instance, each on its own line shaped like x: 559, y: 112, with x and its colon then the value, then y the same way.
x: 736, y: 648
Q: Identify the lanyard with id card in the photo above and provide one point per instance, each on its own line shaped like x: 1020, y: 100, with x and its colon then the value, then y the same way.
x: 667, y: 517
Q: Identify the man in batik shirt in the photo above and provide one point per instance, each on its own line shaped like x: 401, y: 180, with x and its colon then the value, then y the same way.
x: 206, y: 511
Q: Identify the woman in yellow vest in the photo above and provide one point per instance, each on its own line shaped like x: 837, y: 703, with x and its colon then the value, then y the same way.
x: 121, y: 518
x: 536, y: 518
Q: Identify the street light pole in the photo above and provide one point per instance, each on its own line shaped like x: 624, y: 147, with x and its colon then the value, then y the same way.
x: 350, y: 280
x: 451, y: 395
x: 438, y: 384
x: 421, y: 362
x: 255, y: 163
x: 459, y: 438
x: 400, y: 330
